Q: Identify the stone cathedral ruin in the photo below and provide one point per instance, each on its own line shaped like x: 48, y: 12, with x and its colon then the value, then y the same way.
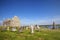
x: 12, y: 23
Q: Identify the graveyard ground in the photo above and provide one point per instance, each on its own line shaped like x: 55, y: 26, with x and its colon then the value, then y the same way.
x: 44, y: 34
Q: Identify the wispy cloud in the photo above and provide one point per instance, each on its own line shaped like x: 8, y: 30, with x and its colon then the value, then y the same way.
x: 39, y: 21
x: 26, y: 21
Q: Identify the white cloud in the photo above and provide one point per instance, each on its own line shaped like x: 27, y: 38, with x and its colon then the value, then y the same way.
x: 1, y: 22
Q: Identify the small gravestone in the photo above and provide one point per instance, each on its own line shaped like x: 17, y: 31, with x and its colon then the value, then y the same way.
x: 14, y: 29
x: 32, y: 28
x: 27, y: 28
x: 7, y: 28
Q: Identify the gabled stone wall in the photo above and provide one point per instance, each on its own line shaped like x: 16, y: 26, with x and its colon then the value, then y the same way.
x: 14, y: 22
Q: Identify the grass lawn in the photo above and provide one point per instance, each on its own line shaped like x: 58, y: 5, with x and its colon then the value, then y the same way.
x: 26, y: 35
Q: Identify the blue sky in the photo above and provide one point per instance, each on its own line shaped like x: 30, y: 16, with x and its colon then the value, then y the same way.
x: 31, y: 11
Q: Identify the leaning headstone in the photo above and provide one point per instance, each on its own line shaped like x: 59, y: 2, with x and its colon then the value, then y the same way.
x: 21, y: 29
x: 32, y: 29
x: 38, y: 27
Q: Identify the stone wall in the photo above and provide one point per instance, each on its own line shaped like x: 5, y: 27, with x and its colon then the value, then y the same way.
x: 14, y: 22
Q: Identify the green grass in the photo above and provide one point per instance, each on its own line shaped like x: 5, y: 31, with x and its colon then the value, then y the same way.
x: 26, y: 35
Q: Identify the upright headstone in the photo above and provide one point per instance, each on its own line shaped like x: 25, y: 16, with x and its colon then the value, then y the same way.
x: 32, y: 28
